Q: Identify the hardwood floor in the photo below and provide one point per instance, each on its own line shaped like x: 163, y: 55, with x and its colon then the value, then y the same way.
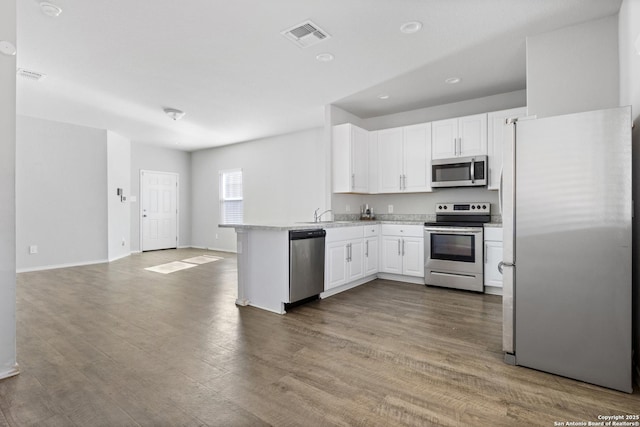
x: 115, y: 345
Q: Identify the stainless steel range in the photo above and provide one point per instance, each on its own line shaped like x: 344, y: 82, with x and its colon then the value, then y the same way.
x: 453, y: 246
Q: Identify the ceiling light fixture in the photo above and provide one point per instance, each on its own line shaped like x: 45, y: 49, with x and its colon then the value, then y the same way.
x: 50, y: 9
x: 383, y: 96
x: 453, y: 80
x: 324, y: 57
x: 411, y: 27
x: 7, y: 48
x: 174, y: 113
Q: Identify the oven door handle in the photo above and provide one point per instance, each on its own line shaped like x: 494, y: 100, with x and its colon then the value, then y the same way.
x: 449, y: 230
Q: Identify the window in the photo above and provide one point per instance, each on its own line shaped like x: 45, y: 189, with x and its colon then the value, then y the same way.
x: 231, y: 196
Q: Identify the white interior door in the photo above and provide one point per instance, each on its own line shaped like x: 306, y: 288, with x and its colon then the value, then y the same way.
x: 158, y: 210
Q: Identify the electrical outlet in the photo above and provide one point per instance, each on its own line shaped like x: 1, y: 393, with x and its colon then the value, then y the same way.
x: 33, y: 249
x: 347, y: 208
x: 390, y: 209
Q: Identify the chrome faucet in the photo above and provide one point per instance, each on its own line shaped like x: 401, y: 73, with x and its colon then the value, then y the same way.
x: 316, y: 217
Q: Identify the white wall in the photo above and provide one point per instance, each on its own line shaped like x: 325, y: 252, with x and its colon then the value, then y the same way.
x: 119, y: 212
x: 486, y: 104
x: 8, y: 364
x: 424, y: 203
x: 283, y: 180
x: 147, y: 157
x: 629, y: 32
x: 573, y: 69
x: 61, y: 201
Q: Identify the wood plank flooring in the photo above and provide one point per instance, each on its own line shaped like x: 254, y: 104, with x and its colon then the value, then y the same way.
x: 115, y: 345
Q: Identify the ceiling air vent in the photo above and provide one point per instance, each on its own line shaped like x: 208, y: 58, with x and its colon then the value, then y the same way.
x: 31, y: 75
x: 305, y: 34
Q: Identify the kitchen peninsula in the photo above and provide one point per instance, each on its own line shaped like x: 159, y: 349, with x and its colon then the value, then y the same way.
x: 356, y: 253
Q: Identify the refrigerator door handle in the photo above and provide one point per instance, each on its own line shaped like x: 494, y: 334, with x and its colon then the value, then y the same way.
x: 500, y: 191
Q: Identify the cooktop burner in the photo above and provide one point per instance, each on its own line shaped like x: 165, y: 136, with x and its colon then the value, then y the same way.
x: 471, y: 214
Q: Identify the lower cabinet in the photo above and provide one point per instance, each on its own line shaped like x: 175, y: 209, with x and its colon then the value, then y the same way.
x: 344, y: 256
x: 371, y: 249
x: 355, y: 254
x: 402, y: 250
x: 492, y: 257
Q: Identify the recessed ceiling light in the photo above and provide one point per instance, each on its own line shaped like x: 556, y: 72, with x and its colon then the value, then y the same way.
x: 324, y: 57
x: 50, y: 9
x: 174, y: 113
x: 383, y: 96
x: 453, y: 80
x: 411, y: 27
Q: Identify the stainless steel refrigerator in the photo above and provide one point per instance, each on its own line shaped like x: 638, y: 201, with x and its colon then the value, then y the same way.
x: 567, y: 208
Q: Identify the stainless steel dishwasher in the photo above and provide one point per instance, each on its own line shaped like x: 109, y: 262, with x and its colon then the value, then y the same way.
x: 306, y: 264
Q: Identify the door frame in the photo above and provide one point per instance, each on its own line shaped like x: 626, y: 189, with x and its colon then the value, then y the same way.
x: 141, y: 204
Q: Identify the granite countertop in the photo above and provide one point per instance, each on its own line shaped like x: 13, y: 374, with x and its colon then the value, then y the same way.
x: 493, y: 225
x: 314, y: 225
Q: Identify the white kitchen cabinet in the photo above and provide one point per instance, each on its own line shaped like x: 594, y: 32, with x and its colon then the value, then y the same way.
x: 492, y: 257
x: 404, y: 155
x: 344, y: 256
x: 371, y: 249
x: 402, y: 250
x: 459, y: 137
x: 496, y: 128
x: 350, y: 159
x: 390, y: 160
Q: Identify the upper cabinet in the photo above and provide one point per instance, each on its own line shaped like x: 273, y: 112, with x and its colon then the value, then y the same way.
x: 496, y: 133
x: 459, y: 137
x: 350, y: 159
x: 404, y: 159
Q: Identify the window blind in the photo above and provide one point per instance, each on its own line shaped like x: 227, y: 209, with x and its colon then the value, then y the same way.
x: 231, y: 211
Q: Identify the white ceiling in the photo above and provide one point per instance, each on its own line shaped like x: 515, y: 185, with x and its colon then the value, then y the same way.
x: 116, y: 64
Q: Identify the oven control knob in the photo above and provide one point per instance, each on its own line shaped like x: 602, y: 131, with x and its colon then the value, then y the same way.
x: 473, y: 206
x: 445, y: 208
x: 478, y: 206
x: 484, y: 206
x: 440, y: 207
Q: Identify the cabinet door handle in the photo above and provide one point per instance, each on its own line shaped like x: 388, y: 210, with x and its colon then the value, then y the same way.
x: 353, y: 181
x: 349, y: 252
x: 485, y: 253
x: 402, y: 247
x: 400, y: 185
x: 366, y: 253
x: 399, y: 253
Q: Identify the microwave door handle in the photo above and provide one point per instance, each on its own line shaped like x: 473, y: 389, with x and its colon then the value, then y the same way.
x: 473, y: 171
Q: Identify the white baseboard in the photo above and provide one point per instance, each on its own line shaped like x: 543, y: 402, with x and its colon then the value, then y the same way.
x: 119, y: 257
x: 401, y: 278
x: 493, y: 290
x: 10, y: 373
x: 346, y: 287
x: 56, y: 266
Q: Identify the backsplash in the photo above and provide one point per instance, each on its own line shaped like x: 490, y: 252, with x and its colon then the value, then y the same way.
x: 401, y: 217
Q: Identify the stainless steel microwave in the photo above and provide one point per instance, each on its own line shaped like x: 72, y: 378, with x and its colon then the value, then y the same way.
x: 459, y: 172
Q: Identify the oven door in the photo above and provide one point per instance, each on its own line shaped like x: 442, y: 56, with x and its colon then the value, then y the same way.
x: 454, y: 257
